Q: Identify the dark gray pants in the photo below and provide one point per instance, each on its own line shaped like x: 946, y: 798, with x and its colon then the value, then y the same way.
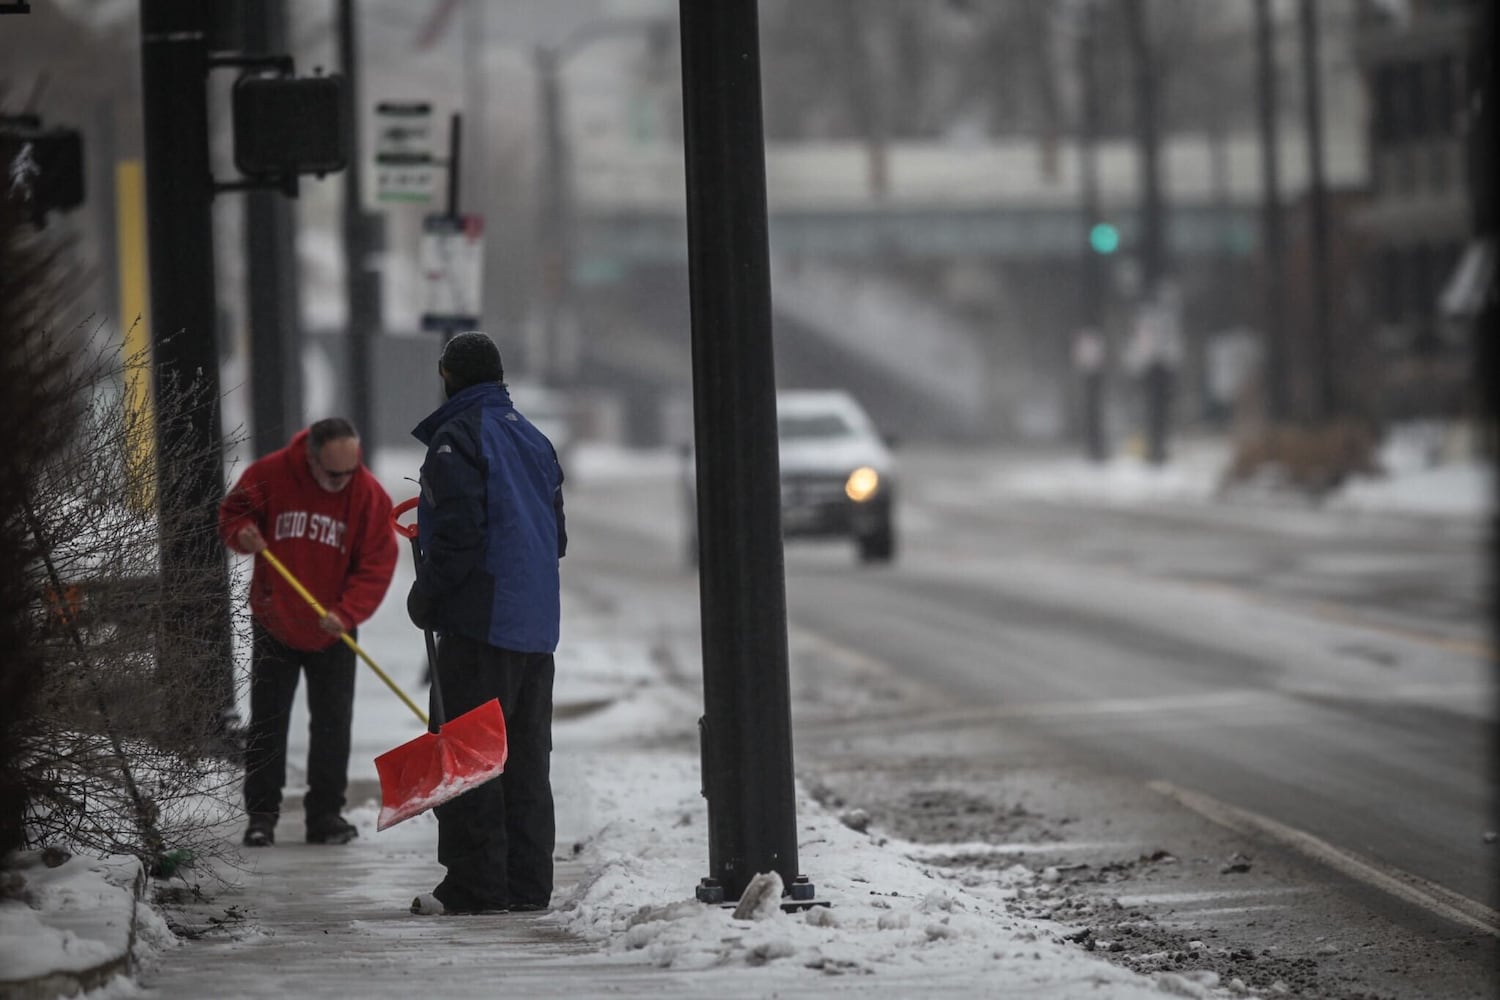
x: 496, y: 840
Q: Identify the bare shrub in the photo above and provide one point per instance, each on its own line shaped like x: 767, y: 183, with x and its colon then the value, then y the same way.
x: 35, y: 412
x: 1312, y: 460
x: 112, y: 749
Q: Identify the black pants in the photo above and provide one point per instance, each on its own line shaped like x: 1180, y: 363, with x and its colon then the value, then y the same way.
x: 274, y: 670
x: 496, y: 840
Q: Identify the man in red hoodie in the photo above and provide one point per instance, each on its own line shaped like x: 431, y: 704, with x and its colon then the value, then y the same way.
x: 328, y: 520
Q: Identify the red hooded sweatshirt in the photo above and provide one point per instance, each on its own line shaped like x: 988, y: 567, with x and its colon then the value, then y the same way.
x: 340, y: 546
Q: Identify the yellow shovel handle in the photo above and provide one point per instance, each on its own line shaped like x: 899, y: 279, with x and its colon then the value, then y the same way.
x: 348, y: 639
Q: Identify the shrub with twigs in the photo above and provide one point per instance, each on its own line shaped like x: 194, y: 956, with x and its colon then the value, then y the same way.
x: 109, y: 736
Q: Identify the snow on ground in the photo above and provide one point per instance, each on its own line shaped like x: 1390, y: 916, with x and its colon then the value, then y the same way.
x: 627, y: 777
x: 1419, y: 479
x: 1429, y: 469
x: 892, y: 918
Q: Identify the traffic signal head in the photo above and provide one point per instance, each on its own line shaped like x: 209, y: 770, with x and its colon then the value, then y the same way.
x: 287, y: 125
x: 1104, y: 238
x: 42, y: 169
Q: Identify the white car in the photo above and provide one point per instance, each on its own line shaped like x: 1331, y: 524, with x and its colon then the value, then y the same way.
x: 838, y: 476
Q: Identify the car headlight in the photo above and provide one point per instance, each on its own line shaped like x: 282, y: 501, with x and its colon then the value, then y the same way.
x: 862, y: 484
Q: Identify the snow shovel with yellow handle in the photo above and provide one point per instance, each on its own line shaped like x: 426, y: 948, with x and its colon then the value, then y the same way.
x: 437, y: 766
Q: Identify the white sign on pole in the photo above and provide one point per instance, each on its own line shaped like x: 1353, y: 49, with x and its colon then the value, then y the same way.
x: 404, y: 168
x: 452, y: 261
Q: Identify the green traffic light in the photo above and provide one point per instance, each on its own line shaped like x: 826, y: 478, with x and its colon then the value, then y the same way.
x: 1104, y: 238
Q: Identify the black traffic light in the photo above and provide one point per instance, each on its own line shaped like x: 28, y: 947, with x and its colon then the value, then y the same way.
x: 41, y: 170
x: 286, y: 125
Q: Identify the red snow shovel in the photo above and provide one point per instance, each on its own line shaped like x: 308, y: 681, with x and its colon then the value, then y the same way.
x: 464, y: 753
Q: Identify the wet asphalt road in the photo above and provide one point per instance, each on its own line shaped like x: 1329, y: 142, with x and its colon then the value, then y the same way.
x: 1292, y: 713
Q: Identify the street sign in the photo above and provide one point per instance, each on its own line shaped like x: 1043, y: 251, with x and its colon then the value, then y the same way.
x: 404, y: 168
x: 452, y: 261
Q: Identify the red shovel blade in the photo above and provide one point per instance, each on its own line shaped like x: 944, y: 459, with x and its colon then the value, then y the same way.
x: 464, y: 753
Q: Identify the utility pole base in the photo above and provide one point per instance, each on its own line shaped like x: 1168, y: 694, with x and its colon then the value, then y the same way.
x: 800, y: 896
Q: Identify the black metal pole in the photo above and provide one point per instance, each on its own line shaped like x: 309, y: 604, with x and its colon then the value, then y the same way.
x: 1317, y: 204
x: 455, y: 177
x: 746, y: 727
x: 455, y: 168
x: 1153, y: 250
x: 555, y: 264
x: 271, y: 292
x: 363, y: 236
x: 179, y: 233
x: 1088, y: 168
x: 1272, y: 244
x: 1483, y: 155
x: 1093, y: 378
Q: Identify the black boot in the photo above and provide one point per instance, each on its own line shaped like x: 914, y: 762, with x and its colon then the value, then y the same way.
x: 330, y: 830
x: 261, y: 832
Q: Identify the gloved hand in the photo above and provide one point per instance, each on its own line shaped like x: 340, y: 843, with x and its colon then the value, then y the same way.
x: 419, y: 607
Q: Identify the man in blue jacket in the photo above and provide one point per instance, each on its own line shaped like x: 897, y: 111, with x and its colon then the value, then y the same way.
x: 492, y: 533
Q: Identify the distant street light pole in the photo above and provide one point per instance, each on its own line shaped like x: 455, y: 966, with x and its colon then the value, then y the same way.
x: 556, y: 221
x: 555, y: 225
x: 1158, y: 373
x: 1153, y: 251
x: 363, y: 236
x: 1317, y: 202
x: 1483, y: 156
x: 1272, y: 243
x: 275, y: 324
x: 1095, y: 441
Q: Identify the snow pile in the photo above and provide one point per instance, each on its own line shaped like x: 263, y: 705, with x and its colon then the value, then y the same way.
x: 889, y: 915
x: 1448, y: 490
x: 88, y: 903
x: 1191, y: 475
x: 1428, y: 470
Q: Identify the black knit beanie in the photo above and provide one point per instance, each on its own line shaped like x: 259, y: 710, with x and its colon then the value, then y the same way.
x: 471, y: 358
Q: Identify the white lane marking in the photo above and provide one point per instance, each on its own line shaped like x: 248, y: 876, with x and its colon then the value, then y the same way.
x: 1234, y: 698
x: 1413, y: 889
x: 1187, y: 898
x: 837, y: 651
x: 930, y: 852
x: 1210, y: 896
x: 1192, y: 918
x: 1237, y: 700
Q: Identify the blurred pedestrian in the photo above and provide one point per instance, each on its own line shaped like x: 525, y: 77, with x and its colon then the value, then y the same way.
x: 491, y: 532
x: 1088, y: 361
x: 326, y: 518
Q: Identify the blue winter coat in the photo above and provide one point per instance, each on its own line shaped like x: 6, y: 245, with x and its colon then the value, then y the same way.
x: 490, y: 522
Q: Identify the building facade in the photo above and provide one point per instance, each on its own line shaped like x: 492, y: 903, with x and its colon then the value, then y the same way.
x: 1416, y: 62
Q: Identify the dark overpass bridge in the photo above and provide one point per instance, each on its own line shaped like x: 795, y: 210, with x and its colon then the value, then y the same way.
x: 844, y: 259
